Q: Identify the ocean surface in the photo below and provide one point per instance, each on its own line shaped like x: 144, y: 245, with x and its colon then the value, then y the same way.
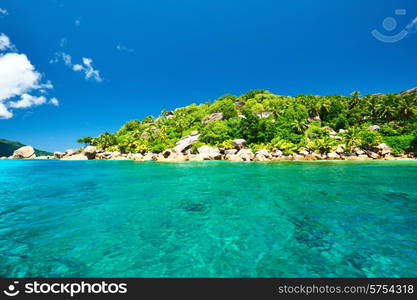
x: 207, y: 219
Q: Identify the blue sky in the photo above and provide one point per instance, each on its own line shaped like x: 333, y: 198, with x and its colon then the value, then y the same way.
x: 144, y: 56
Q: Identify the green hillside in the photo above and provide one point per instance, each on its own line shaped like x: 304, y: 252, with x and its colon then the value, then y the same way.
x: 7, y: 148
x: 268, y: 121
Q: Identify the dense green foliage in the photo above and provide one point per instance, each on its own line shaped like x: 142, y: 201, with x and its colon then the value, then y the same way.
x: 7, y: 148
x: 276, y: 122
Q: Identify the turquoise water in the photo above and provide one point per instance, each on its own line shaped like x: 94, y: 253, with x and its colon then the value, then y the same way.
x: 207, y: 219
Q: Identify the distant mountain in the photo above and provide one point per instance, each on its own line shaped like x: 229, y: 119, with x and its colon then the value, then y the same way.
x: 7, y: 148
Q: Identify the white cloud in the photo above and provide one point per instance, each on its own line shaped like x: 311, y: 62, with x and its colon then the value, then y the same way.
x: 86, y: 66
x: 19, y: 80
x: 4, y: 113
x: 77, y: 67
x: 17, y: 76
x: 5, y: 43
x: 123, y: 48
x: 54, y: 101
x: 3, y: 11
x: 27, y: 101
x: 90, y: 72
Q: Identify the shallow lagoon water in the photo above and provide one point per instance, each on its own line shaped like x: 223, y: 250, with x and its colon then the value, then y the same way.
x: 207, y: 219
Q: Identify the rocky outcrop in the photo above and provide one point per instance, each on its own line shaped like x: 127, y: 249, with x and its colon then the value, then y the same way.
x: 245, y: 154
x: 239, y: 144
x: 230, y: 151
x: 70, y: 152
x: 108, y: 155
x: 75, y: 157
x: 277, y: 153
x: 209, y: 153
x: 340, y: 149
x: 384, y: 149
x: 263, y: 155
x: 25, y: 152
x: 333, y: 155
x: 90, y: 152
x: 217, y: 116
x: 185, y: 143
x: 410, y: 91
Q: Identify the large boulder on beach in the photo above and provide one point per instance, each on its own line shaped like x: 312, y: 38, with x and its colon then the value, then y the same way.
x: 277, y: 153
x: 359, y: 151
x: 333, y: 155
x: 24, y: 152
x: 262, y: 155
x: 373, y: 155
x: 209, y: 153
x: 70, y: 152
x: 384, y: 149
x: 75, y: 157
x: 239, y: 144
x: 230, y: 151
x: 90, y: 152
x: 185, y: 143
x: 246, y: 154
x: 340, y: 149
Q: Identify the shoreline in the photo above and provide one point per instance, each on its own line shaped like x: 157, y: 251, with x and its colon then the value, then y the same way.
x: 195, y: 159
x: 207, y: 153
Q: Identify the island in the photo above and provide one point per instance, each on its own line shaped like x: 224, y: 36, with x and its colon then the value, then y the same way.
x: 262, y: 126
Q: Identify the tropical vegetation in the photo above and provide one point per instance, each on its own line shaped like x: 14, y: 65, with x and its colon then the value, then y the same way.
x: 275, y: 122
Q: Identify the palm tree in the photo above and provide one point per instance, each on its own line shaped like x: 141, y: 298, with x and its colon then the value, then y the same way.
x: 351, y: 139
x: 299, y: 125
x: 407, y: 106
